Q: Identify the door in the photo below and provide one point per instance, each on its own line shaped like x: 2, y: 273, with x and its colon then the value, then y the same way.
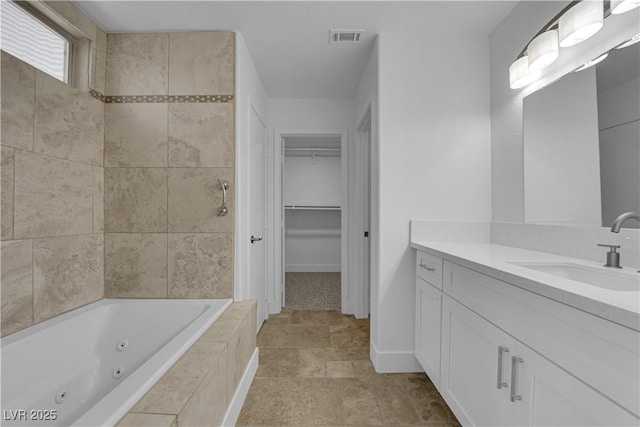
x: 475, y: 367
x: 547, y: 395
x: 257, y: 214
x: 428, y: 329
x: 361, y: 265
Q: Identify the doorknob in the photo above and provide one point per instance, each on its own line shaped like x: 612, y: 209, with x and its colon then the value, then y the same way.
x: 255, y: 239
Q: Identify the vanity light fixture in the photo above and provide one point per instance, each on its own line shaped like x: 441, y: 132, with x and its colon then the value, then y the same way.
x: 519, y: 75
x: 622, y: 6
x: 578, y: 21
x: 543, y: 50
x: 593, y: 62
x: 633, y: 40
x: 581, y: 22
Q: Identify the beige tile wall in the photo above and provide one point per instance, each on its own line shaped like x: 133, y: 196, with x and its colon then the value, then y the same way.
x: 162, y: 165
x: 146, y: 174
x: 51, y: 185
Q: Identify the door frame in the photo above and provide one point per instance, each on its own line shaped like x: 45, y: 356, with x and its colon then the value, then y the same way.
x: 275, y: 216
x: 242, y: 285
x: 361, y: 258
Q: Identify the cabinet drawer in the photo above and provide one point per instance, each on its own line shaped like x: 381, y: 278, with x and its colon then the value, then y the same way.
x: 429, y: 268
x: 598, y: 352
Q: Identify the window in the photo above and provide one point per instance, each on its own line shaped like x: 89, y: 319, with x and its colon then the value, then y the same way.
x: 34, y: 42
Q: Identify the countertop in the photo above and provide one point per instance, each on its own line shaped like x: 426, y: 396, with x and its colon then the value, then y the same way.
x: 622, y: 307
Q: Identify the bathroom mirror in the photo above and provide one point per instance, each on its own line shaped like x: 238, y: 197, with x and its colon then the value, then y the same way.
x: 582, y: 145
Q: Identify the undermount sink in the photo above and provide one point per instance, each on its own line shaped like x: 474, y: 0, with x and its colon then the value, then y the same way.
x: 600, y: 277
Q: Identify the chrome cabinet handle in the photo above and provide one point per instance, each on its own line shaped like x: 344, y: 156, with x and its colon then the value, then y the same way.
x: 501, y: 351
x: 515, y: 360
x: 225, y: 186
x: 255, y: 239
x: 424, y: 267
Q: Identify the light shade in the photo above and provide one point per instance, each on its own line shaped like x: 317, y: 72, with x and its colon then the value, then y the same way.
x: 622, y: 6
x: 543, y: 50
x: 519, y: 75
x: 581, y: 22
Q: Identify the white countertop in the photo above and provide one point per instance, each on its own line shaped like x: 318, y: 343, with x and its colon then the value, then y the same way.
x: 622, y: 307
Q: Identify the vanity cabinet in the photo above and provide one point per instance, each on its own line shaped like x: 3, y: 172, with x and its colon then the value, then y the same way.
x: 472, y: 368
x: 490, y: 378
x: 512, y: 357
x: 427, y: 338
x: 428, y: 314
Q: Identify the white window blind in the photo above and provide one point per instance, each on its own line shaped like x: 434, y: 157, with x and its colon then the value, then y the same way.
x: 27, y: 38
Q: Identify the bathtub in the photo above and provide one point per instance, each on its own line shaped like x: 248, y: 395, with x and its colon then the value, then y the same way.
x: 88, y: 367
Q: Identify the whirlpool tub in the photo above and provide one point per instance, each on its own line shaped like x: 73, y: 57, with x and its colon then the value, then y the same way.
x: 88, y: 367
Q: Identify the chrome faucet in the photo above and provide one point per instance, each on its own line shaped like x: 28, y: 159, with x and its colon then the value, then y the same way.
x: 615, y: 228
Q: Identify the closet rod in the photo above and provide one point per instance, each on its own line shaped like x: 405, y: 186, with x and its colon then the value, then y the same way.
x: 312, y: 232
x: 312, y: 208
x: 312, y: 149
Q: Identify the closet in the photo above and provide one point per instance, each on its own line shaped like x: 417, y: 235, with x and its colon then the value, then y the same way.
x: 312, y: 199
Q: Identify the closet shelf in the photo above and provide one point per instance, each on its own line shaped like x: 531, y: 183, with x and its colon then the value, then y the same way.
x: 312, y: 208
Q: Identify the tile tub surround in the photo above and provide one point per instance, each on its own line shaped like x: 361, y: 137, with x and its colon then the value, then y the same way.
x: 330, y: 381
x: 169, y: 137
x: 51, y: 186
x: 198, y: 388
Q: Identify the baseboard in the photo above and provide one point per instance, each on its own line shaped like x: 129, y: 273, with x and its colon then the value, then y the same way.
x: 386, y: 362
x: 235, y: 406
x: 312, y: 268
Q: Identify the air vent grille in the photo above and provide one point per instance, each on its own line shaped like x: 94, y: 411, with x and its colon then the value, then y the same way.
x: 345, y: 36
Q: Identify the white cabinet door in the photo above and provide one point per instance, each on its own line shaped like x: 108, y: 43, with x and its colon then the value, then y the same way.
x: 428, y: 329
x: 550, y: 396
x: 471, y: 368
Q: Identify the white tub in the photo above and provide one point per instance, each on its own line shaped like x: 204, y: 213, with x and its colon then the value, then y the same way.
x: 88, y: 367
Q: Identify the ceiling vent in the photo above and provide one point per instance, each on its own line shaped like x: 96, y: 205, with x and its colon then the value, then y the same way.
x: 345, y: 36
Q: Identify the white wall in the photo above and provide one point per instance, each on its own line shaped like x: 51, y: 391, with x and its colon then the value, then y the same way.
x: 313, y: 114
x: 312, y: 181
x: 507, y: 40
x: 312, y: 238
x: 250, y: 93
x: 561, y: 152
x: 434, y: 163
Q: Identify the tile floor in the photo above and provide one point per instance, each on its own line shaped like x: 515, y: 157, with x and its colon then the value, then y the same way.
x: 315, y: 371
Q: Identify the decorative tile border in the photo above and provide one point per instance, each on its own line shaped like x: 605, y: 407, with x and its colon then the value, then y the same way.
x: 97, y: 95
x: 160, y: 99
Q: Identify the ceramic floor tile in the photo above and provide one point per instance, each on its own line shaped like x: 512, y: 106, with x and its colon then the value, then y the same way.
x: 278, y: 362
x: 312, y: 363
x: 315, y: 370
x: 340, y: 369
x: 359, y: 412
x: 398, y: 411
x: 293, y: 336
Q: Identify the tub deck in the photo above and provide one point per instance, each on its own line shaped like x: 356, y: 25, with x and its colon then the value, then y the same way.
x: 201, y: 388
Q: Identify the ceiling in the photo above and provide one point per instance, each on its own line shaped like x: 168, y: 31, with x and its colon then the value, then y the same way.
x: 289, y: 40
